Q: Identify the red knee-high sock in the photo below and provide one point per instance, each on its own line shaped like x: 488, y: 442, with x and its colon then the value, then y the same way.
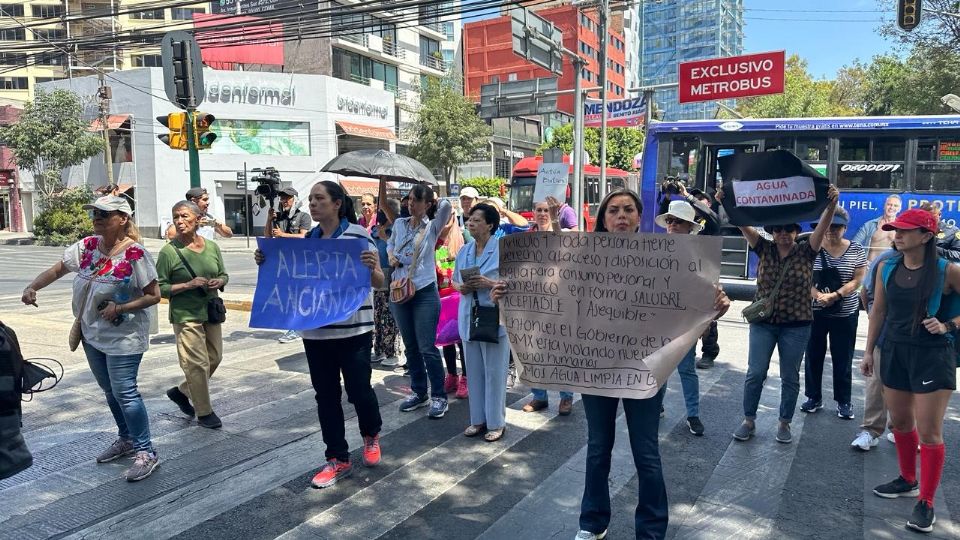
x: 907, y: 454
x: 931, y: 466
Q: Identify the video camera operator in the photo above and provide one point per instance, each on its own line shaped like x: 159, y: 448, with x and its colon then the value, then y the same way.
x: 291, y: 222
x: 674, y: 189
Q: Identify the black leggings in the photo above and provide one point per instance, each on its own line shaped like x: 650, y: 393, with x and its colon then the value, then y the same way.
x: 450, y: 358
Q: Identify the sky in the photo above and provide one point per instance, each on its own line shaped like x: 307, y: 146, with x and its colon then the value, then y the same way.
x: 828, y: 34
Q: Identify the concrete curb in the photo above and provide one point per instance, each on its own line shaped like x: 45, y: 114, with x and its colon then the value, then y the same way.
x: 17, y: 241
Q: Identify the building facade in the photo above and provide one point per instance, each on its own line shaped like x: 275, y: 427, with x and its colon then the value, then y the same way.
x: 674, y: 31
x: 11, y: 214
x: 294, y: 123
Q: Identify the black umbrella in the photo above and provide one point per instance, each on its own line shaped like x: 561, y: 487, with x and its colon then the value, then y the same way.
x: 380, y: 164
x: 790, y: 191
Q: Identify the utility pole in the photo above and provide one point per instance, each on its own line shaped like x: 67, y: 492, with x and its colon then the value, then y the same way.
x: 604, y: 42
x: 577, y: 158
x: 104, y: 94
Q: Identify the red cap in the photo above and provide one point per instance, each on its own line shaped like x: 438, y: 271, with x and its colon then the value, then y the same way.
x: 914, y: 218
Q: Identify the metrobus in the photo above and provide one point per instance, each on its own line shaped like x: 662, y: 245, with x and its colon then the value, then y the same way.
x: 525, y: 175
x: 867, y: 158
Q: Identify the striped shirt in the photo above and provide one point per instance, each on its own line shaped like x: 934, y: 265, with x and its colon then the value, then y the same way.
x: 360, y: 322
x: 854, y: 257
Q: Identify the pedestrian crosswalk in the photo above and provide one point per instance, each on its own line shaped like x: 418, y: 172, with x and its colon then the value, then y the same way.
x: 251, y: 479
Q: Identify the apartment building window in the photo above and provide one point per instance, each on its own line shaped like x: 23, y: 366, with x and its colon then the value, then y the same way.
x: 50, y: 59
x: 41, y: 80
x: 184, y: 14
x: 351, y: 66
x: 502, y: 168
x: 49, y: 34
x: 364, y: 23
x: 11, y: 10
x: 429, y: 14
x: 46, y: 11
x: 148, y: 15
x: 147, y: 60
x: 12, y: 34
x: 429, y: 50
x: 13, y: 59
x: 14, y: 83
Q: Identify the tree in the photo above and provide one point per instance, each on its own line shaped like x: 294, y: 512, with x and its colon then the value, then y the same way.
x: 623, y: 144
x: 913, y: 86
x: 802, y: 97
x: 939, y: 24
x: 486, y: 186
x: 50, y: 136
x: 447, y: 132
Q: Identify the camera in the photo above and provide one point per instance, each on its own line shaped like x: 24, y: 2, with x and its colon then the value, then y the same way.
x: 268, y: 184
x: 671, y: 185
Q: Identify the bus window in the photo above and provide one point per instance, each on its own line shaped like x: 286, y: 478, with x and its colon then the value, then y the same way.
x: 778, y: 143
x: 812, y: 149
x: 938, y: 165
x: 683, y: 156
x: 871, y: 163
x: 854, y: 149
x: 888, y: 149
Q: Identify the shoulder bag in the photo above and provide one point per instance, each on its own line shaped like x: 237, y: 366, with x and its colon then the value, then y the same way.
x: 484, y: 322
x: 216, y: 311
x: 402, y: 289
x: 762, y: 309
x: 828, y: 280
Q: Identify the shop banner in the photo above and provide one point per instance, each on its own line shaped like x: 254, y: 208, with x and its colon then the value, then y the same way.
x: 306, y: 283
x: 733, y: 77
x: 771, y: 188
x: 606, y: 314
x: 246, y: 40
x: 628, y: 112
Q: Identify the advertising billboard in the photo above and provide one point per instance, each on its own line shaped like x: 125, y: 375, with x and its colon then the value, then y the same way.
x: 733, y: 77
x: 246, y: 40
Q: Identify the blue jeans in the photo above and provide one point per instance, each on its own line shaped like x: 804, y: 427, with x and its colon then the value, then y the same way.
x: 690, y: 382
x: 417, y: 319
x: 643, y: 422
x: 791, y: 342
x: 541, y: 395
x: 117, y: 377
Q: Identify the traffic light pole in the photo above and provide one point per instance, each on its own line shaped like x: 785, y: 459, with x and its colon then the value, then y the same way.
x: 192, y: 150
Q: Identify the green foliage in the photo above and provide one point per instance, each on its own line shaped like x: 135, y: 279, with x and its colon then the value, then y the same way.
x: 803, y: 97
x: 486, y: 186
x: 911, y: 86
x: 62, y: 219
x: 622, y: 144
x: 939, y: 27
x: 447, y: 132
x: 50, y: 136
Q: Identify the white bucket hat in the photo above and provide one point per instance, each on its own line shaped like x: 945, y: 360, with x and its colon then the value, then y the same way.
x: 680, y: 210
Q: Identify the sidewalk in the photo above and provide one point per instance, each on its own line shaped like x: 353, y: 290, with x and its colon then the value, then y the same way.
x: 8, y: 238
x: 237, y: 244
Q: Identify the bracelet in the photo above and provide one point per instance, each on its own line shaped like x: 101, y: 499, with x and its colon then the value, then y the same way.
x: 119, y: 309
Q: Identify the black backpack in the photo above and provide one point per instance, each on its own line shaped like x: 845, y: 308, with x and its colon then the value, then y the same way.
x: 14, y: 454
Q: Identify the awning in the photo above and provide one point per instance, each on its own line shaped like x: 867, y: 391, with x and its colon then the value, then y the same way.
x: 356, y: 187
x: 370, y: 132
x: 114, y: 121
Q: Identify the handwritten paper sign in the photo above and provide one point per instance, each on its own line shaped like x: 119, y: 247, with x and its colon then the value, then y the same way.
x: 308, y: 283
x: 552, y: 181
x: 781, y: 191
x: 606, y: 314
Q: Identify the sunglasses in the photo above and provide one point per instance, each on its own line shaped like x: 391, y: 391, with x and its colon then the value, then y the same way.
x: 102, y: 214
x: 780, y: 228
x: 670, y: 220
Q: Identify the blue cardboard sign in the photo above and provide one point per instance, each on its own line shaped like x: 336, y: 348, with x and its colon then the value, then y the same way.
x: 308, y: 283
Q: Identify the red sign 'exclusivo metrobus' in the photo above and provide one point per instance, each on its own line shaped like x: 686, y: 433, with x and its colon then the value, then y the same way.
x: 732, y: 77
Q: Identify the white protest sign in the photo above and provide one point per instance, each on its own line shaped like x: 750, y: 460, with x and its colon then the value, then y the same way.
x: 606, y: 314
x: 781, y: 191
x: 552, y: 181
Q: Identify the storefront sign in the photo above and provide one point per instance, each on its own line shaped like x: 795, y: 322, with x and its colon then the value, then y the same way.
x: 251, y: 93
x: 949, y: 150
x: 620, y: 112
x: 733, y: 77
x: 361, y: 107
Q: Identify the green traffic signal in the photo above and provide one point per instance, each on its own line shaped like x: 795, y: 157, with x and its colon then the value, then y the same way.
x: 202, y: 123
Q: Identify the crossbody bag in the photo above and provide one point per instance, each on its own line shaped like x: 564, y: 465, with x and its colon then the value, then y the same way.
x: 216, y: 311
x: 762, y: 309
x: 402, y: 289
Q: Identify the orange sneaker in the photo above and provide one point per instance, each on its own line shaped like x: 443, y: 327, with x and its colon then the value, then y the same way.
x: 332, y: 471
x: 371, y: 450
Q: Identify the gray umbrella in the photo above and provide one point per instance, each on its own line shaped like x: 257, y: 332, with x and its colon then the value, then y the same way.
x: 380, y: 164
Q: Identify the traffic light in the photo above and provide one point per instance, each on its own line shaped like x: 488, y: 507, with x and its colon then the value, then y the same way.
x: 176, y: 124
x: 201, y: 129
x: 908, y: 14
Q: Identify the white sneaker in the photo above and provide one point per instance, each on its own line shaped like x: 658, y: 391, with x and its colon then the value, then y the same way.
x: 891, y: 438
x: 587, y: 535
x: 865, y: 441
x: 289, y: 337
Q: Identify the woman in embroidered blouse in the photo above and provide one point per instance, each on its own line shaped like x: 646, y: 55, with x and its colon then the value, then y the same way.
x: 418, y: 317
x: 487, y: 362
x: 199, y: 342
x: 116, y: 281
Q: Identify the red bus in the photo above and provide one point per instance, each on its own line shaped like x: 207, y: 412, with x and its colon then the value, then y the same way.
x: 525, y: 176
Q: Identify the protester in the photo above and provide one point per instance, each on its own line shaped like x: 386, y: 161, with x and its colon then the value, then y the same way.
x: 487, y: 362
x: 291, y: 223
x: 385, y: 348
x: 343, y: 348
x: 948, y: 239
x: 412, y: 242
x: 871, y: 234
x: 468, y: 197
x: 510, y: 222
x: 680, y: 218
x: 919, y: 361
x: 711, y: 223
x: 191, y: 270
x: 450, y: 243
x: 620, y: 212
x: 546, y: 216
x: 788, y: 327
x: 835, y: 314
x: 209, y: 225
x: 368, y: 212
x: 116, y: 280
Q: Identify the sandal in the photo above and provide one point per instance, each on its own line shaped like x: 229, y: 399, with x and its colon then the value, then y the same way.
x: 474, y: 430
x: 495, y: 435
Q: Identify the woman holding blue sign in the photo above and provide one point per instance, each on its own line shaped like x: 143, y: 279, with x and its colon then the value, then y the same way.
x: 342, y: 348
x: 475, y: 274
x: 415, y: 300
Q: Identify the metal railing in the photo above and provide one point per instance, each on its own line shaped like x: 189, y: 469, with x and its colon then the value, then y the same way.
x: 392, y: 49
x: 433, y: 62
x: 359, y: 39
